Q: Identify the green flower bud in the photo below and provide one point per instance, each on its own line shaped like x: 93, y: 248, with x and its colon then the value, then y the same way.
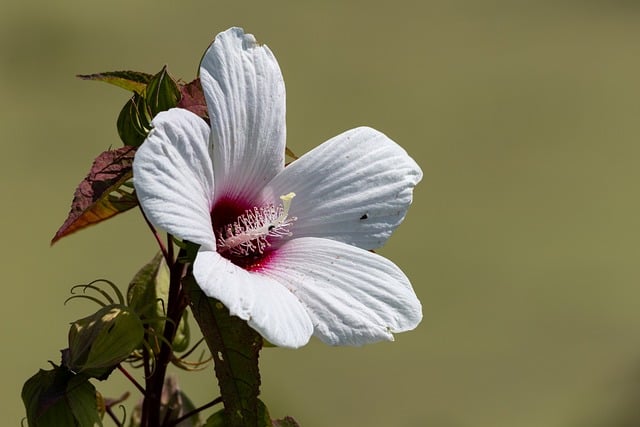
x: 98, y: 343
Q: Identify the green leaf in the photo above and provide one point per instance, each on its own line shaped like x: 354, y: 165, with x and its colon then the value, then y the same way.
x: 143, y: 292
x: 235, y: 348
x: 148, y: 294
x: 59, y: 398
x: 183, y: 334
x: 105, y: 192
x: 43, y: 397
x: 216, y: 419
x: 82, y: 397
x: 134, y: 81
x: 219, y: 419
x: 162, y: 93
x: 134, y: 121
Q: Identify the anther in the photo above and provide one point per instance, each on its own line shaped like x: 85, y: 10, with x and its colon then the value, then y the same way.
x: 249, y: 234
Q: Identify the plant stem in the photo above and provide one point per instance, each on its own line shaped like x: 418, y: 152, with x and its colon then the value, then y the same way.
x: 154, y: 384
x: 109, y: 403
x: 163, y: 249
x: 130, y: 378
x: 195, y: 411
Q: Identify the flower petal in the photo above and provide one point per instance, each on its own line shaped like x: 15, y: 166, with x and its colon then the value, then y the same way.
x: 355, y: 188
x: 266, y: 305
x: 245, y: 97
x: 173, y: 176
x: 353, y: 296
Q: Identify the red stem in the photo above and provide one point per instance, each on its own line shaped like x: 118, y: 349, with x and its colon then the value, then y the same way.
x: 175, y: 308
x: 133, y: 380
x: 159, y: 241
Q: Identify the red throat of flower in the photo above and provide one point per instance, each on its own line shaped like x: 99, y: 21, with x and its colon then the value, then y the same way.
x: 245, y: 234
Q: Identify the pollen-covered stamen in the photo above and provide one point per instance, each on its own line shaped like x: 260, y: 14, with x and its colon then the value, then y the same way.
x: 249, y: 234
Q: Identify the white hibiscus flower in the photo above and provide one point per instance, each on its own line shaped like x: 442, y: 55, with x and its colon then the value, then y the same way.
x: 286, y: 249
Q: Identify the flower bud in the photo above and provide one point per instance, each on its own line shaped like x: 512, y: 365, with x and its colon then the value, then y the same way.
x: 98, y: 343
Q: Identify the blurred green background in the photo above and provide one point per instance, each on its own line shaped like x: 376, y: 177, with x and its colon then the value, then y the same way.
x: 522, y: 242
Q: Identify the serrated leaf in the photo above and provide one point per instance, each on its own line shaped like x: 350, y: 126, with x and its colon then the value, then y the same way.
x: 162, y: 93
x: 192, y: 99
x: 103, y: 193
x: 134, y: 121
x: 235, y: 348
x: 134, y: 81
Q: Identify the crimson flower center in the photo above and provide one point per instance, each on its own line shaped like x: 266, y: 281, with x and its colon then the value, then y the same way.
x: 244, y: 238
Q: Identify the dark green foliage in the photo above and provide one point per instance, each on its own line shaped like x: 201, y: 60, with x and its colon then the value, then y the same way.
x: 58, y: 397
x: 235, y: 348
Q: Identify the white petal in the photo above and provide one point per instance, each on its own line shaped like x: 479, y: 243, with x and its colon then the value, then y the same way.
x: 173, y: 176
x: 245, y: 96
x: 266, y: 305
x: 354, y: 296
x: 355, y: 188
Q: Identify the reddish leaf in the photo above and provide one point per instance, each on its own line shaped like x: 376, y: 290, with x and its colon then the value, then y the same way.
x: 192, y: 99
x: 104, y: 193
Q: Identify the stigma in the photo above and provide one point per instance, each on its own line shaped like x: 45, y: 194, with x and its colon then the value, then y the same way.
x: 251, y: 232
